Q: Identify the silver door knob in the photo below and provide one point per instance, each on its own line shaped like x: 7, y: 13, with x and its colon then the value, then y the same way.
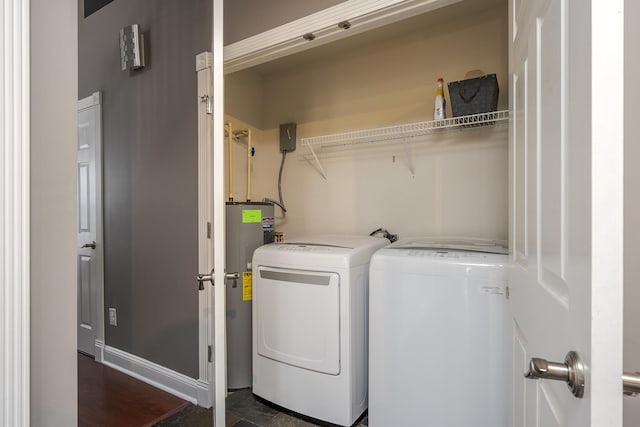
x: 631, y: 383
x: 571, y: 371
x: 91, y: 245
x: 201, y: 278
x: 234, y: 277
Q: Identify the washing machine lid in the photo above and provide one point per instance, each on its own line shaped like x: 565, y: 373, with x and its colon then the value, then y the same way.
x: 339, y: 241
x: 329, y: 250
x: 456, y: 244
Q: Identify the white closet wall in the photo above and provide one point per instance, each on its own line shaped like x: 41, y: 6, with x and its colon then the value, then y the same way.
x: 459, y: 185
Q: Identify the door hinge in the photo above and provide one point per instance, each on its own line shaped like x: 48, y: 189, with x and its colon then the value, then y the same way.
x: 208, y: 230
x: 209, y: 354
x: 206, y: 99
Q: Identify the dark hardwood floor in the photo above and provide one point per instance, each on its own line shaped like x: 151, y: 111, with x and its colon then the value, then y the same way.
x: 107, y: 397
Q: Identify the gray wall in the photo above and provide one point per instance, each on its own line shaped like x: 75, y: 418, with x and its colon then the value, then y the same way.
x: 150, y: 173
x: 53, y: 214
x: 245, y: 18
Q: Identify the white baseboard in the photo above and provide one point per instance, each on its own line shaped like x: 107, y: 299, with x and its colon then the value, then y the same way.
x: 205, y: 397
x: 98, y: 353
x: 180, y: 385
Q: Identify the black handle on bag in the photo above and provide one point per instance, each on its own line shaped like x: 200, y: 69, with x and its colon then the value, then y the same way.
x: 469, y: 98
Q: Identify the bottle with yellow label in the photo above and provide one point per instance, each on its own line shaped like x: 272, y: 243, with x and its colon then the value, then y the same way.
x: 439, y: 112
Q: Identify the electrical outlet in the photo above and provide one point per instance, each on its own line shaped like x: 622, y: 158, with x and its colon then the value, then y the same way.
x: 113, y: 319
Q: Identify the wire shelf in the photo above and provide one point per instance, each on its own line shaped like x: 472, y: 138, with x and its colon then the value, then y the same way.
x: 398, y: 132
x: 410, y: 130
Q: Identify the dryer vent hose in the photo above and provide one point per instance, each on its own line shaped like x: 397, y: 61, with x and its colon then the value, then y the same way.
x: 392, y: 237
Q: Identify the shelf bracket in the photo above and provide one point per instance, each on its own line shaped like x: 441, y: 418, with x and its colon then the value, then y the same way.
x: 399, y: 133
x: 407, y: 153
x: 318, y: 164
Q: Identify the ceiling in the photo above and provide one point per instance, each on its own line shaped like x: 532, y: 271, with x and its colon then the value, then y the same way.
x: 436, y: 20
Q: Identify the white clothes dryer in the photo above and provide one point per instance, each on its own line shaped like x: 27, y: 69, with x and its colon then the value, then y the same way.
x: 439, y: 334
x: 310, y: 299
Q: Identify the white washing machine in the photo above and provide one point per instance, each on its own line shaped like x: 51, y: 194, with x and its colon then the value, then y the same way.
x: 439, y: 334
x: 310, y: 301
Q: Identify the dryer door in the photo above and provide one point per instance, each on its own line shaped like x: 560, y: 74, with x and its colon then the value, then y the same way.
x: 298, y: 318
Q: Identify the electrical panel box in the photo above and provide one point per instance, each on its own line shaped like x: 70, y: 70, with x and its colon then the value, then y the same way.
x: 288, y: 137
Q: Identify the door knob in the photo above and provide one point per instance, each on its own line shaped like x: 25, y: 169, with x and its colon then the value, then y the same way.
x: 91, y: 245
x: 631, y: 383
x: 201, y: 278
x: 234, y: 277
x: 571, y: 371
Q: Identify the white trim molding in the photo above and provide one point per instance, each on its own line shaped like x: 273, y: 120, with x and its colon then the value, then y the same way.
x: 90, y: 101
x: 205, y: 221
x: 98, y: 353
x: 173, y: 382
x: 14, y: 214
x: 287, y: 39
x: 219, y: 380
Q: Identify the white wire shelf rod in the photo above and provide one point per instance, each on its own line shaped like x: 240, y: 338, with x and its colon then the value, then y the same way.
x: 406, y: 130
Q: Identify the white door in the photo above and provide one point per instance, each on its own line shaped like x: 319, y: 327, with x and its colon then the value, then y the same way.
x: 566, y: 68
x: 90, y: 261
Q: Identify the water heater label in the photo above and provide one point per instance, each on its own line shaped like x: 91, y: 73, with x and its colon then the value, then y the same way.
x: 251, y: 215
x: 267, y: 223
x: 247, y: 291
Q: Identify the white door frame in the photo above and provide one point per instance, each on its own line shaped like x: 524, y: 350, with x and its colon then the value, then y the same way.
x: 607, y: 201
x: 14, y: 213
x: 95, y: 100
x: 205, y: 221
x: 217, y: 160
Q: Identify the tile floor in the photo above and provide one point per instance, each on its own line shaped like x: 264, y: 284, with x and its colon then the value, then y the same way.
x: 245, y: 410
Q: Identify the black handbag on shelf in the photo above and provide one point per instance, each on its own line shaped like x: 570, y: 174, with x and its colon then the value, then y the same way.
x: 474, y: 96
